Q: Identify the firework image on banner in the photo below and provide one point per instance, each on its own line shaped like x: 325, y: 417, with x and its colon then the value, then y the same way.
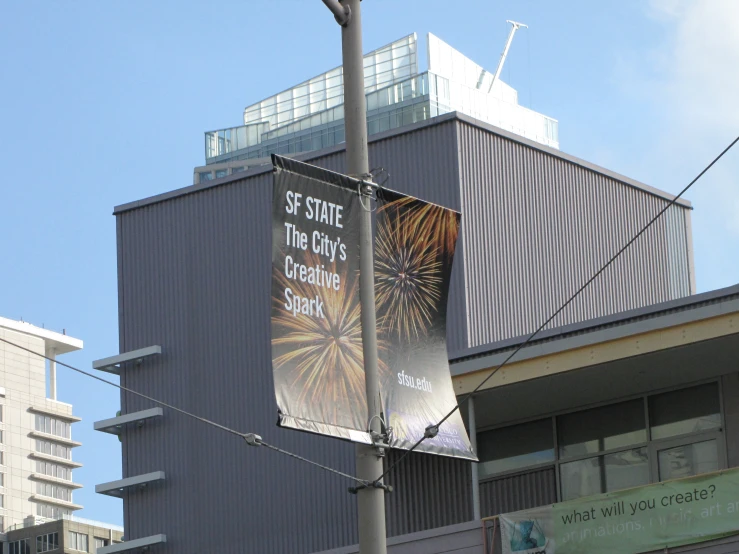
x: 414, y: 250
x: 317, y: 356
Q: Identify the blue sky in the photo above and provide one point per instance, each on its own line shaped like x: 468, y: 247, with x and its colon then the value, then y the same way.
x: 106, y: 102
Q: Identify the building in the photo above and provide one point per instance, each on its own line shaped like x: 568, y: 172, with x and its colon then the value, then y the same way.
x: 194, y: 305
x: 628, y: 400
x: 66, y: 535
x: 35, y: 428
x: 310, y: 115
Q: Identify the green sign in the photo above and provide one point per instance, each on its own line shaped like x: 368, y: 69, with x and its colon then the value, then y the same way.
x: 634, y: 520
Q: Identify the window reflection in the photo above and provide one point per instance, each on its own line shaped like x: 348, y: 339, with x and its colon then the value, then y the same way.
x: 600, y: 429
x: 688, y: 460
x: 515, y: 447
x: 685, y: 411
x: 612, y: 472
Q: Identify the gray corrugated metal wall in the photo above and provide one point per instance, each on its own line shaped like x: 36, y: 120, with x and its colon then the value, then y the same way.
x: 194, y: 274
x: 421, y: 480
x: 195, y: 278
x: 424, y: 164
x: 538, y: 226
x: 518, y: 492
x: 462, y: 538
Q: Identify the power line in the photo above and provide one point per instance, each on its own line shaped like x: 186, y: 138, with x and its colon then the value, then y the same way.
x: 255, y: 440
x: 251, y: 439
x: 431, y: 430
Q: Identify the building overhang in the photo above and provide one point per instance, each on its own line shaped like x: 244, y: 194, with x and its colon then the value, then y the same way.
x: 55, y: 501
x: 117, y: 488
x: 61, y: 343
x: 135, y: 545
x: 583, y: 367
x: 55, y: 480
x: 115, y: 425
x: 55, y: 438
x: 43, y: 410
x: 55, y: 459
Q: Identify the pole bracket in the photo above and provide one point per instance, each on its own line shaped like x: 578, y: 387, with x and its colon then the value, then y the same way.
x: 431, y: 431
x: 342, y: 14
x: 253, y: 439
x: 372, y: 485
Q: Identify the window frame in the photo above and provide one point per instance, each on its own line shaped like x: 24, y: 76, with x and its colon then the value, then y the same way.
x: 77, y: 535
x: 687, y: 439
x: 653, y: 446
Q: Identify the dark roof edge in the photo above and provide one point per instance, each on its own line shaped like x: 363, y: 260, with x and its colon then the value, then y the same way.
x: 438, y: 120
x: 267, y: 168
x: 574, y: 159
x: 593, y: 324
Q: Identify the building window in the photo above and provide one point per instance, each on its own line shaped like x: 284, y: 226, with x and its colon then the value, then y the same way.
x: 686, y: 411
x: 622, y: 445
x: 99, y: 543
x: 1, y: 413
x: 1, y: 437
x: 52, y: 512
x: 221, y: 173
x: 53, y: 470
x: 2, y: 479
x: 2, y: 501
x: 52, y: 426
x: 2, y: 524
x: 619, y: 433
x: 2, y: 458
x: 54, y: 491
x: 78, y: 541
x: 44, y: 543
x: 22, y: 546
x: 511, y: 448
x: 206, y: 176
x: 53, y: 449
x: 687, y: 426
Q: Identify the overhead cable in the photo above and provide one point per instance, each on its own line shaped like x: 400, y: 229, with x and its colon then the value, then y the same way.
x: 559, y: 310
x: 252, y: 439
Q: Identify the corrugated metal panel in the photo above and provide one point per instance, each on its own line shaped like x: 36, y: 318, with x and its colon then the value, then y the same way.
x: 518, y: 492
x: 424, y: 164
x: 538, y: 226
x: 461, y: 538
x: 430, y: 491
x: 194, y: 277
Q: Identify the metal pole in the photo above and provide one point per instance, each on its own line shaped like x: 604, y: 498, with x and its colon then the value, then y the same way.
x: 475, y: 474
x: 370, y: 500
x: 515, y: 26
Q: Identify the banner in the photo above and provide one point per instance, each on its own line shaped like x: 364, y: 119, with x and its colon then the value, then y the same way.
x: 642, y: 519
x: 317, y: 351
x: 317, y: 356
x: 414, y: 250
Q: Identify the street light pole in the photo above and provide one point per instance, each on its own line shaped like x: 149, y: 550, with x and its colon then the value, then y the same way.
x: 370, y: 499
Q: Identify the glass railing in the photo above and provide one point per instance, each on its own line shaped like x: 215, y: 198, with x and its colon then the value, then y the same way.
x: 93, y: 523
x: 313, y: 132
x: 38, y: 520
x: 453, y: 96
x: 225, y: 141
x: 416, y: 99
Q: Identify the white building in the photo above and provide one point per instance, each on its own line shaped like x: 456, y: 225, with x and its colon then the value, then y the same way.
x: 35, y: 429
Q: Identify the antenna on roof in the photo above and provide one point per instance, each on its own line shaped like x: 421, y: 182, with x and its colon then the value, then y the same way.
x: 515, y: 26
